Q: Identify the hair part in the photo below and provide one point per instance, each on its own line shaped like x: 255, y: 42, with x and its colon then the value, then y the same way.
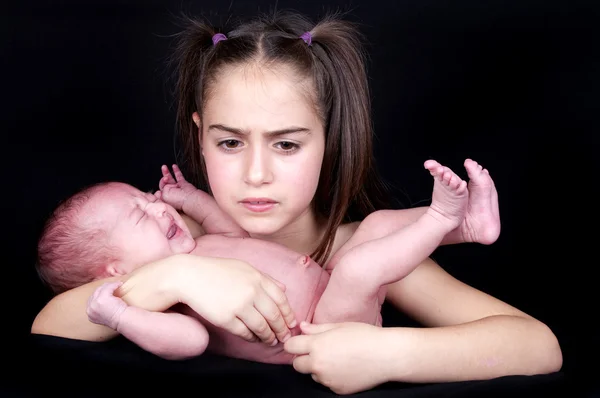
x: 70, y: 251
x: 334, y: 63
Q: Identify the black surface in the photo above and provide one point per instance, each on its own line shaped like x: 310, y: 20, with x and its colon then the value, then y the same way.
x: 513, y: 84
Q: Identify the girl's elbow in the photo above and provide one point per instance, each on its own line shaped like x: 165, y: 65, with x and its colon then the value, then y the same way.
x: 556, y: 358
x: 551, y: 353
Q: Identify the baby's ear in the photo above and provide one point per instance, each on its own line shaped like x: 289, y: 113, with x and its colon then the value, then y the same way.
x: 113, y: 269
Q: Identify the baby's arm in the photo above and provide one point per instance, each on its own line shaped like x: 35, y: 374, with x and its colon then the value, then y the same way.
x: 197, y: 204
x: 169, y: 335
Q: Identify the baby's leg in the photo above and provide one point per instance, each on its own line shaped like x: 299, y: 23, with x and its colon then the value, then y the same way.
x: 480, y: 225
x: 354, y: 286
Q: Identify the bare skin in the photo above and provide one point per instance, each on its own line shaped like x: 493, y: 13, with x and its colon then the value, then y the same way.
x: 357, y: 290
x: 481, y: 223
x: 354, y: 292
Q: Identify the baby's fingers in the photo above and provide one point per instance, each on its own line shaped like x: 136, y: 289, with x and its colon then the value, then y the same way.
x: 167, y: 176
x: 109, y: 287
x: 178, y: 174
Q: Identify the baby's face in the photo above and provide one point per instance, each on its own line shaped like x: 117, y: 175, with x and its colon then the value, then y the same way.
x: 141, y: 226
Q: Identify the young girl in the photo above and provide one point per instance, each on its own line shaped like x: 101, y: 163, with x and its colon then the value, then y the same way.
x: 276, y: 115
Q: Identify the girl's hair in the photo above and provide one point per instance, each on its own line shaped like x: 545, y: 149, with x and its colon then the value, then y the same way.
x: 334, y: 61
x: 70, y: 253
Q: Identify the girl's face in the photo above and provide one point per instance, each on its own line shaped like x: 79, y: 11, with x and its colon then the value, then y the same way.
x: 263, y: 146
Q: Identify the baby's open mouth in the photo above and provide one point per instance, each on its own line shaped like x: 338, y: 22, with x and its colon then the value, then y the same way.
x: 172, y: 231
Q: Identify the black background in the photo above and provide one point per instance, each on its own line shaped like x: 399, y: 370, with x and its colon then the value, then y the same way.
x: 512, y: 84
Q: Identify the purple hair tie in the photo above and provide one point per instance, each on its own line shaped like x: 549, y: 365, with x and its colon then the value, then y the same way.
x: 307, y: 37
x: 217, y: 37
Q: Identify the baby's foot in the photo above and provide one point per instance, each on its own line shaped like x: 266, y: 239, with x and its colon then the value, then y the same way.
x: 482, y: 221
x: 450, y: 195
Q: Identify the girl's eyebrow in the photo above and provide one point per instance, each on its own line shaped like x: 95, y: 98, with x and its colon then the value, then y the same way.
x: 274, y: 133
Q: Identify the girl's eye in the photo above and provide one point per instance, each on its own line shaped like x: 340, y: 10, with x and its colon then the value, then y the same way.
x: 287, y: 146
x: 229, y: 144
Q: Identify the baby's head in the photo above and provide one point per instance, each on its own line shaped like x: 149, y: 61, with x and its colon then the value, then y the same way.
x: 105, y: 230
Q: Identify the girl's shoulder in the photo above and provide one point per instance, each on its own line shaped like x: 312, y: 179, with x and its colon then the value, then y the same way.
x: 342, y: 235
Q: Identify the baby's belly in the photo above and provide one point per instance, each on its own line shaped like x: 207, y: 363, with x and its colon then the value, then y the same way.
x: 304, y: 279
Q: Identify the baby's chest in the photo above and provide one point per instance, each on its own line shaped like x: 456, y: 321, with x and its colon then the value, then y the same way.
x: 300, y: 275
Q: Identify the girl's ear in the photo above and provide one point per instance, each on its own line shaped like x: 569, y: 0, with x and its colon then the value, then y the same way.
x: 196, y: 118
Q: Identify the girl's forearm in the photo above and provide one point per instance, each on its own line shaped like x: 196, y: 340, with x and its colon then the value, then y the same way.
x: 153, y: 287
x: 65, y: 316
x: 487, y: 348
x: 156, y: 286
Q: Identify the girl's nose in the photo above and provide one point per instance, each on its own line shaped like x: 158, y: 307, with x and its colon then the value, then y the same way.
x: 257, y: 170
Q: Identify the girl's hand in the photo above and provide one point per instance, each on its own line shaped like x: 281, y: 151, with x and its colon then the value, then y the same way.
x: 235, y: 296
x: 345, y: 357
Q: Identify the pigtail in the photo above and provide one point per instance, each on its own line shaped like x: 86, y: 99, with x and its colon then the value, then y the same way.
x: 338, y: 48
x: 193, y: 51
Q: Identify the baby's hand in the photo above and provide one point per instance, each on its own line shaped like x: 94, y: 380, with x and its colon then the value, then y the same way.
x: 104, y: 308
x: 174, y: 191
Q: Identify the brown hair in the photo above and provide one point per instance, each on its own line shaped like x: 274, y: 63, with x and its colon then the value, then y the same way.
x: 335, y: 62
x: 70, y: 253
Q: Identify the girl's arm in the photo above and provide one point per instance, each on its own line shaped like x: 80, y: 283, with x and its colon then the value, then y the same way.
x: 225, y: 292
x: 468, y: 334
x: 65, y: 314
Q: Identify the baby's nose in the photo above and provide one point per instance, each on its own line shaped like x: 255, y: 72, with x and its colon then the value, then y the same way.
x: 159, y: 209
